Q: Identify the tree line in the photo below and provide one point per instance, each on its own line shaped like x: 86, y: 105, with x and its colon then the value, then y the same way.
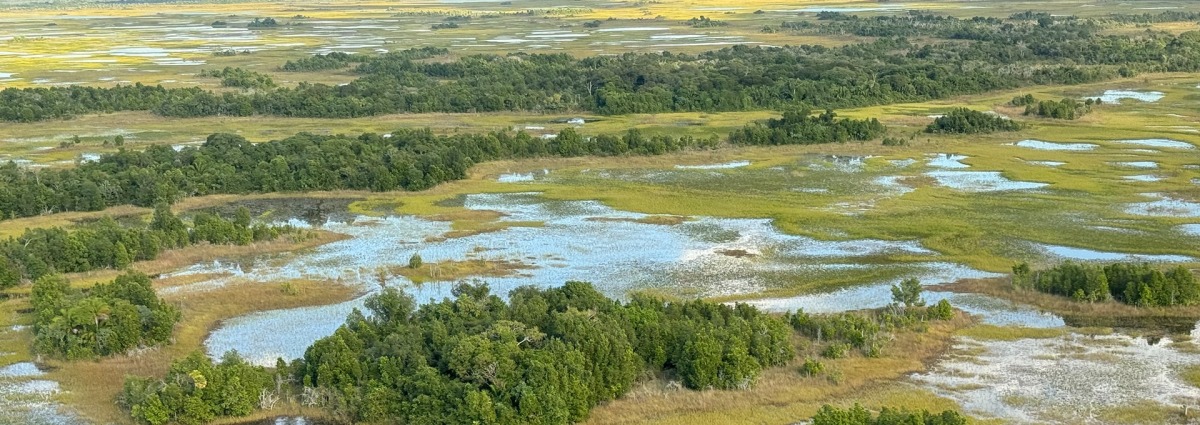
x: 1140, y: 285
x: 402, y: 160
x: 405, y: 159
x: 544, y: 356
x: 107, y: 244
x: 108, y: 319
x: 966, y: 56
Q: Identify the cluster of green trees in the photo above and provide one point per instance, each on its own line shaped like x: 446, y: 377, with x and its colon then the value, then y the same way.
x: 858, y: 415
x: 107, y: 244
x: 238, y: 77
x: 966, y: 56
x: 258, y: 23
x: 705, y: 22
x: 225, y: 163
x: 110, y: 318
x: 319, y: 62
x: 1134, y: 284
x: 803, y: 128
x: 967, y: 121
x: 1066, y: 109
x: 197, y: 391
x: 43, y: 103
x: 547, y: 356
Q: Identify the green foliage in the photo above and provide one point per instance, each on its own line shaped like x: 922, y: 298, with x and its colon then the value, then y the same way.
x: 910, y: 58
x: 415, y: 262
x: 226, y: 163
x: 546, y: 356
x: 802, y: 128
x: 1134, y: 284
x: 260, y: 23
x: 941, y: 311
x: 197, y: 391
x: 1066, y: 109
x: 858, y: 415
x: 908, y: 293
x: 1022, y: 276
x: 836, y: 350
x: 966, y: 121
x: 894, y: 141
x: 238, y: 77
x: 109, y: 319
x: 108, y: 244
x: 328, y: 61
x: 705, y: 22
x: 811, y: 367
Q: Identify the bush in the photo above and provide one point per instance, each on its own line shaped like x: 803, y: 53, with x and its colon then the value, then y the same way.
x: 836, y: 350
x: 966, y: 121
x: 811, y: 367
x: 941, y: 311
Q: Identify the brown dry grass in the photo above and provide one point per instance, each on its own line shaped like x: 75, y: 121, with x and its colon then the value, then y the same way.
x: 92, y: 386
x: 783, y: 396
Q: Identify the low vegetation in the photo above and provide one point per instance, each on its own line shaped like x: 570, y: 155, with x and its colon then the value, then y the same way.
x: 857, y: 415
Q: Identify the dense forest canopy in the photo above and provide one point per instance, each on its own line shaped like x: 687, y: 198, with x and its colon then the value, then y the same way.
x: 545, y: 356
x: 967, y: 56
x: 108, y: 319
